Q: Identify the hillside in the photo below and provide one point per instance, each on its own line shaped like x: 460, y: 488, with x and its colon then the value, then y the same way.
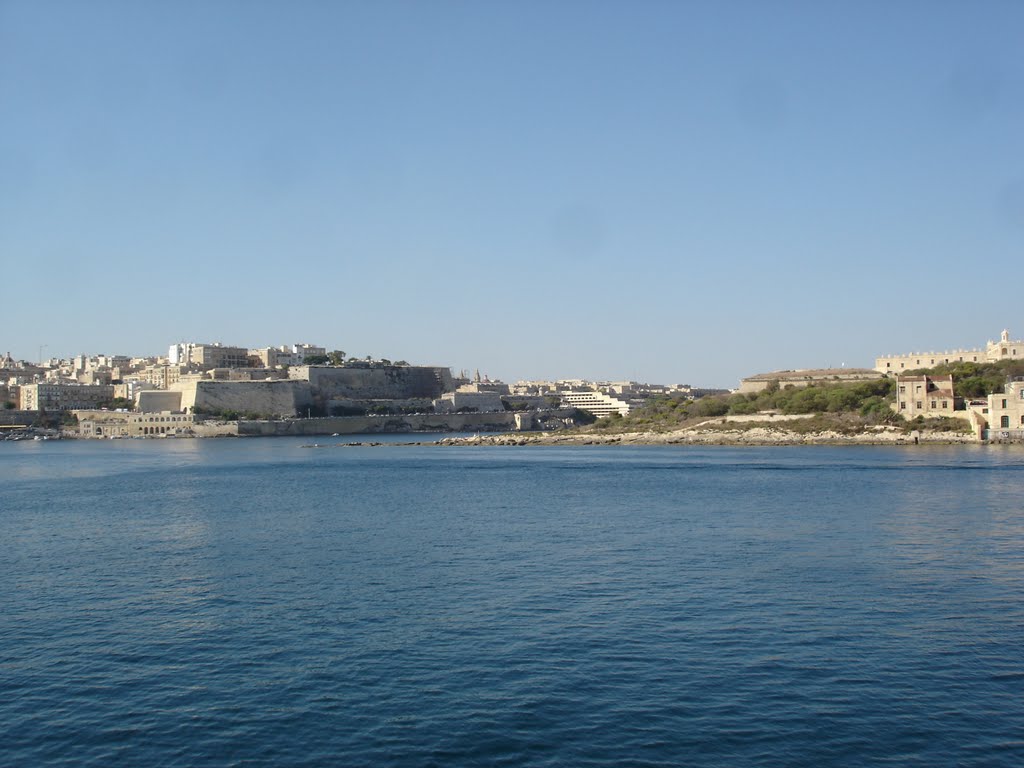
x: 841, y: 408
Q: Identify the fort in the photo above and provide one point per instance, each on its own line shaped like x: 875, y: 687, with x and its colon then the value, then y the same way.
x: 994, y: 351
x: 308, y: 388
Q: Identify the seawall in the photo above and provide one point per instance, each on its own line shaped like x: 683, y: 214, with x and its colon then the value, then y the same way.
x: 355, y: 425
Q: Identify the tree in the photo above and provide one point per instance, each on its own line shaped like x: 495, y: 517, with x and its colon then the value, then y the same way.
x: 712, y: 406
x: 316, y: 360
x: 337, y: 357
x: 742, y: 407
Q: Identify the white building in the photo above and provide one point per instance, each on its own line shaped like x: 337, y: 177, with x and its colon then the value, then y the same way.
x: 597, y: 403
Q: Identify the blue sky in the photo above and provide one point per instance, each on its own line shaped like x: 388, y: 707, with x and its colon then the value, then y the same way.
x: 664, y: 191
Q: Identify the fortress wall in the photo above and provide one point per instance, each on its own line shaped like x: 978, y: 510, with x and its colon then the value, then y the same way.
x: 383, y: 383
x: 158, y: 400
x: 901, y: 363
x: 215, y: 429
x: 353, y: 425
x: 273, y: 398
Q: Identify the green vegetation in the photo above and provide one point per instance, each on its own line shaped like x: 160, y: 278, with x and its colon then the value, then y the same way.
x: 229, y: 414
x: 9, y: 405
x: 937, y: 424
x: 316, y: 360
x: 869, y: 402
x: 122, y: 403
x: 583, y: 418
x: 975, y: 380
x: 389, y: 409
x: 347, y: 410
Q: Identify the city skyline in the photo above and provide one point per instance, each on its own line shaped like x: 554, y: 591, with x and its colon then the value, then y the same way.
x: 658, y: 192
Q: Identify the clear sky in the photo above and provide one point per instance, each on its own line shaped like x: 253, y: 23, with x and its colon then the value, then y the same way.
x: 675, y: 192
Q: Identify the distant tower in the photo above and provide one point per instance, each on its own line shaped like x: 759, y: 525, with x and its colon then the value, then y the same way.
x: 476, y: 376
x: 1005, y: 336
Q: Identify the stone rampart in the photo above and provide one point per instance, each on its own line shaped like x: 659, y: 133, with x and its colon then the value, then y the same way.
x: 215, y: 429
x: 355, y: 425
x: 158, y: 400
x: 397, y: 382
x: 271, y: 398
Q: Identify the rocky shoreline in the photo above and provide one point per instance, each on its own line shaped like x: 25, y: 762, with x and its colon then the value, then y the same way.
x: 721, y: 436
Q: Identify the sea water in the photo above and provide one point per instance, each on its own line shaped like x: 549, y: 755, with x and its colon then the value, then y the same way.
x: 264, y: 602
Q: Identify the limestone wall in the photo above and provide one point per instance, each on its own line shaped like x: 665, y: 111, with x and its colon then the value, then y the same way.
x: 917, y: 360
x: 271, y: 398
x: 216, y: 429
x: 157, y: 400
x: 382, y: 383
x: 354, y: 425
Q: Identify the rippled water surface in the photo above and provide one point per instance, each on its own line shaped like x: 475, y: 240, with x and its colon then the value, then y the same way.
x: 258, y: 602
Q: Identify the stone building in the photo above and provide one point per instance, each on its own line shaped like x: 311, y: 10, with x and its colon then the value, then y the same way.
x: 994, y: 351
x: 50, y: 396
x: 466, y: 398
x: 804, y: 378
x: 296, y: 354
x: 207, y: 356
x: 1006, y: 409
x: 111, y: 424
x: 924, y: 396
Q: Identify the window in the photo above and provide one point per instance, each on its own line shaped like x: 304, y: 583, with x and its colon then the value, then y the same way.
x: 933, y: 404
x: 919, y: 405
x: 903, y: 406
x: 945, y: 404
x: 1004, y: 402
x: 903, y: 389
x: 1004, y: 422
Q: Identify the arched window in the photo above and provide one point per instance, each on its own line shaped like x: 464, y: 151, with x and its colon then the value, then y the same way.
x: 1004, y: 422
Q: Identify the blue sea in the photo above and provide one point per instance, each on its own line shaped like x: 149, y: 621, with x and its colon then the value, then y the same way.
x: 261, y: 602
